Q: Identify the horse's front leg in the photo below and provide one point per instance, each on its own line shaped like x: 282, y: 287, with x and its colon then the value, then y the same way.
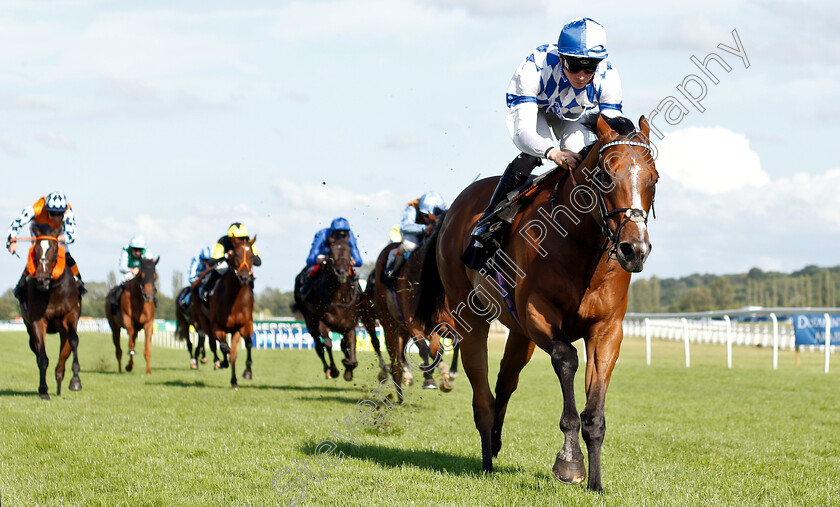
x: 234, y: 350
x: 568, y: 466
x: 602, y: 353
x: 37, y: 333
x: 220, y: 338
x: 73, y: 338
x: 348, y: 347
x: 247, y: 336
x: 63, y: 353
x: 518, y: 351
x: 132, y: 337
x: 325, y: 335
x: 148, y: 331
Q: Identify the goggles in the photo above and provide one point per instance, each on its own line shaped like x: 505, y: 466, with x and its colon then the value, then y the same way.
x: 587, y: 65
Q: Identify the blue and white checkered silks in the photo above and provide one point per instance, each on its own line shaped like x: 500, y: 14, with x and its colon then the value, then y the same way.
x: 583, y: 37
x: 26, y: 216
x: 55, y: 201
x: 539, y: 86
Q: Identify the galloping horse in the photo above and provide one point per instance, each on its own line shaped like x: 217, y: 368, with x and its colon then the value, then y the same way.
x: 332, y: 304
x: 397, y: 308
x: 53, y: 305
x: 136, y: 310
x: 230, y: 309
x: 566, y: 264
x: 184, y: 318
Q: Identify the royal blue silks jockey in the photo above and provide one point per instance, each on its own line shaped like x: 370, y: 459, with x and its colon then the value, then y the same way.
x: 557, y: 88
x: 200, y: 263
x: 416, y: 222
x: 338, y: 228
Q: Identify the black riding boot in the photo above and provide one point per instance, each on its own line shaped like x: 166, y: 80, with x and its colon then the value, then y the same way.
x: 208, y: 286
x: 20, y: 289
x: 475, y: 255
x: 115, y: 302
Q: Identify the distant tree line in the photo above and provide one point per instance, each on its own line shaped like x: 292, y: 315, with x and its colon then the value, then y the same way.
x: 810, y: 286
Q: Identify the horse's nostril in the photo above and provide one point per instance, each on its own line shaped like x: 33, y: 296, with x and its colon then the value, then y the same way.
x: 626, y: 250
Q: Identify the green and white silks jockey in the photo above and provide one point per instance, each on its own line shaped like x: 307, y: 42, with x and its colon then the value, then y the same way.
x: 131, y: 257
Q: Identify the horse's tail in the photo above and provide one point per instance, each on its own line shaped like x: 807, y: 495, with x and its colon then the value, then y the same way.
x: 431, y: 298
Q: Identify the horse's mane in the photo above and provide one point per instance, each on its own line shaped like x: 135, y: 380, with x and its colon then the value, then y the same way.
x: 622, y: 125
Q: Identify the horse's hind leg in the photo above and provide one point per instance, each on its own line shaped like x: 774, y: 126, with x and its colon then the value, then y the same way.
x: 63, y: 353
x: 36, y: 343
x: 518, y: 351
x: 234, y: 350
x: 453, y: 370
x: 370, y: 326
x: 568, y: 466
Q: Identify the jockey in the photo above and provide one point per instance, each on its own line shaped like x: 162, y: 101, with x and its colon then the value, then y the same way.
x: 198, y: 266
x: 415, y: 225
x: 53, y: 211
x: 557, y: 88
x: 339, y: 228
x: 218, y: 258
x: 131, y: 257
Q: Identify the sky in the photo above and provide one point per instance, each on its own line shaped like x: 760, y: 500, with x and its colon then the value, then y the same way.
x: 174, y: 119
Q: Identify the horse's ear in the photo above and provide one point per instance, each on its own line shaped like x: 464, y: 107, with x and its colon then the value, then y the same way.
x: 157, y: 259
x: 254, y: 239
x: 644, y: 126
x: 605, y: 133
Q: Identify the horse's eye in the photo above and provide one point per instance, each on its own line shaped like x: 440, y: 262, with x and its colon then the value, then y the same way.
x: 604, y: 178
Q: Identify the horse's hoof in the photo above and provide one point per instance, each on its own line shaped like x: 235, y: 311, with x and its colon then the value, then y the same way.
x: 569, y: 472
x: 193, y: 364
x: 408, y: 381
x: 75, y: 385
x: 234, y: 386
x: 203, y: 360
x: 246, y: 375
x: 327, y: 374
x: 383, y: 375
x: 129, y: 367
x: 333, y: 372
x: 446, y: 386
x: 453, y: 373
x: 348, y: 375
x: 429, y: 384
x: 217, y: 365
x: 45, y: 397
x: 224, y: 364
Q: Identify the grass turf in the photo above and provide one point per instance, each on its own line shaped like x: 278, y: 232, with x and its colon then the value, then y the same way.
x: 705, y: 435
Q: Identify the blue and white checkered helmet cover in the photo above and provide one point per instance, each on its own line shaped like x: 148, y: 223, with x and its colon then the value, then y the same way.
x: 583, y: 38
x: 205, y: 253
x: 56, y: 201
x: 432, y: 204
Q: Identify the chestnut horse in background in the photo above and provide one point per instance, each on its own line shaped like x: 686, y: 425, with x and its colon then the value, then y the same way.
x: 332, y: 304
x: 136, y: 311
x: 190, y: 317
x: 396, y: 309
x: 230, y: 309
x: 567, y: 261
x: 53, y: 305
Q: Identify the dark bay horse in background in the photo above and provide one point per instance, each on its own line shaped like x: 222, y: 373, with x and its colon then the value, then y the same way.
x: 396, y: 309
x: 567, y: 261
x: 332, y: 304
x: 189, y: 316
x: 53, y: 305
x: 230, y: 308
x: 136, y: 311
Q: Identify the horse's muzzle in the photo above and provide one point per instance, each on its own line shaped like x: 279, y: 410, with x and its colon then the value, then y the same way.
x: 632, y: 254
x: 43, y: 283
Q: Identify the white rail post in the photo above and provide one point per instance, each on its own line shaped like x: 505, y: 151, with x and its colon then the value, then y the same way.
x: 775, y: 341
x: 647, y: 341
x: 728, y: 341
x: 685, y: 338
x: 827, y: 340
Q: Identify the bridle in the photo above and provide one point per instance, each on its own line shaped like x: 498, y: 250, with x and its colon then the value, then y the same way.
x: 249, y: 277
x: 635, y: 215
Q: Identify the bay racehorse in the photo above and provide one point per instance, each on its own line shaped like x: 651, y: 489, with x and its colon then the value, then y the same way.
x: 188, y: 315
x: 230, y: 308
x: 566, y: 265
x: 332, y: 304
x: 397, y: 304
x: 52, y: 305
x: 135, y: 311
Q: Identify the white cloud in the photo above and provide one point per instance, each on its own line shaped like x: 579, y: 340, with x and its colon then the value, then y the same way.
x: 709, y: 160
x: 492, y: 7
x: 56, y: 140
x: 11, y: 147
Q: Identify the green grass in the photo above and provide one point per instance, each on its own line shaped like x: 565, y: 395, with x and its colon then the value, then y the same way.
x: 675, y: 436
